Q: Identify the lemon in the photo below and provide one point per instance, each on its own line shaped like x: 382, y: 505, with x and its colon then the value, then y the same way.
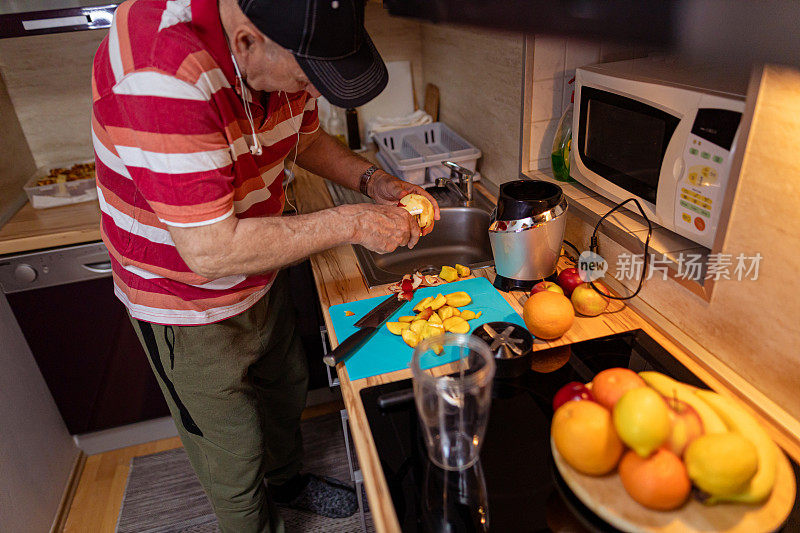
x: 641, y: 418
x: 721, y: 463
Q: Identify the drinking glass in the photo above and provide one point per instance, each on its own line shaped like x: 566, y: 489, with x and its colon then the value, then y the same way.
x: 453, y: 408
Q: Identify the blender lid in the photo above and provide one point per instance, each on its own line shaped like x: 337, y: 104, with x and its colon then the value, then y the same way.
x: 520, y: 199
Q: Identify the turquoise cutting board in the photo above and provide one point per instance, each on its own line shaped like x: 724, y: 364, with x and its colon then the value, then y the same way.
x: 385, y: 352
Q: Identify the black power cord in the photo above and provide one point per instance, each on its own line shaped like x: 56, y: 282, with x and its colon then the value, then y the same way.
x: 593, y: 247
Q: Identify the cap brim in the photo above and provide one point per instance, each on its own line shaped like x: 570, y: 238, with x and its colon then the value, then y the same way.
x: 351, y: 81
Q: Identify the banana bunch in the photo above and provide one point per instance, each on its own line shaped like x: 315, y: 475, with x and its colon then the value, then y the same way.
x: 739, y: 421
x: 735, y: 460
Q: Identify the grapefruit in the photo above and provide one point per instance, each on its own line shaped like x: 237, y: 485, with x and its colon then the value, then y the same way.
x: 584, y: 436
x: 609, y: 385
x: 548, y: 315
x: 658, y: 482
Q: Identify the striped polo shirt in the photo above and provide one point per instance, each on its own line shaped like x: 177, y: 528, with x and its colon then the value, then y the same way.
x: 171, y: 141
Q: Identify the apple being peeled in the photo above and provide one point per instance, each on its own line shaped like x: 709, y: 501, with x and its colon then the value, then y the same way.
x: 686, y: 425
x: 421, y: 206
x: 588, y: 301
x: 546, y: 286
x: 568, y: 279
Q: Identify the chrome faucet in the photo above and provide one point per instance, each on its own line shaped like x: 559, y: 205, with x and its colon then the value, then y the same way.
x: 460, y: 181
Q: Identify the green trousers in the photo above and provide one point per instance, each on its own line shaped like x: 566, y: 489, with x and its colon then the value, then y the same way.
x: 236, y: 390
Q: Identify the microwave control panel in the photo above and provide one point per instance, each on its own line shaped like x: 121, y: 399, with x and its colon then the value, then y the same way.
x: 707, y: 156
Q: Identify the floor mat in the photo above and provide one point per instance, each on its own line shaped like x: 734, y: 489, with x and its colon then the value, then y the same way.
x: 163, y: 494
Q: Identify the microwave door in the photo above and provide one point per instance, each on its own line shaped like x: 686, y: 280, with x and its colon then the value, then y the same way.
x: 624, y: 141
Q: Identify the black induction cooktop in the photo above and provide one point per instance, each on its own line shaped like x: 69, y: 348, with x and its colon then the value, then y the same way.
x: 515, y: 486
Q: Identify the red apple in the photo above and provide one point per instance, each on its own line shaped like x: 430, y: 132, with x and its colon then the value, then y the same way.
x: 546, y: 286
x: 588, y: 301
x: 686, y: 425
x: 574, y: 390
x: 568, y: 279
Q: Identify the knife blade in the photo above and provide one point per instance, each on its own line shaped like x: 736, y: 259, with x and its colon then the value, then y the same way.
x: 368, y: 325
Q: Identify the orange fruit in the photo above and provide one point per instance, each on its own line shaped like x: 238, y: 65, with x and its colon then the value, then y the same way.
x: 658, y: 482
x: 609, y: 385
x: 548, y: 315
x: 584, y: 436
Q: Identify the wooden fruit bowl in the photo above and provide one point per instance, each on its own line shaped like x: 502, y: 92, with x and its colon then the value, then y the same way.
x: 607, y: 498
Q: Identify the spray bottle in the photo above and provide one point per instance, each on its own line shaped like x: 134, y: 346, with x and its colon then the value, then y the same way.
x: 562, y: 143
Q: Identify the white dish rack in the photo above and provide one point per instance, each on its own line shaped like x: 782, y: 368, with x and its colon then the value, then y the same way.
x: 416, y: 153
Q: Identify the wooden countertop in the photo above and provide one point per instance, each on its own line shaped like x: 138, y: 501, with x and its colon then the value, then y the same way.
x: 339, y: 280
x: 33, y: 229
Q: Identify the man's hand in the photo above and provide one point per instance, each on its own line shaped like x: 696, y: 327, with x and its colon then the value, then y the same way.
x: 386, y: 189
x: 382, y: 228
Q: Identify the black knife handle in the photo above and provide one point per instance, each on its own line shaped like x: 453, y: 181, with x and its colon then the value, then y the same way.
x: 394, y: 399
x: 348, y: 346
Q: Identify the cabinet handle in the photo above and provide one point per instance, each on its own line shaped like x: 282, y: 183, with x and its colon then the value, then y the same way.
x: 101, y: 267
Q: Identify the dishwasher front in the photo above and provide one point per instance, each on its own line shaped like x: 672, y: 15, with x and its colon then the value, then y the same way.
x: 80, y: 336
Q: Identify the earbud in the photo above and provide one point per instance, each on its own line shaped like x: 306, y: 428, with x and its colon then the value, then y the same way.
x: 256, y: 148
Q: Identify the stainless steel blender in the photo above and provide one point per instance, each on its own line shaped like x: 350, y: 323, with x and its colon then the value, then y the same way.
x: 526, y: 233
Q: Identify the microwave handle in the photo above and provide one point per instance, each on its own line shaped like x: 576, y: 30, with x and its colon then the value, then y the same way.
x: 678, y: 167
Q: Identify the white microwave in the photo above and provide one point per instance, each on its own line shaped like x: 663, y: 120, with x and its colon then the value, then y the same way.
x: 661, y: 131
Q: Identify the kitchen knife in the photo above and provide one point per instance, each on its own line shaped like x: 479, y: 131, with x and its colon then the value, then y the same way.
x: 369, y: 324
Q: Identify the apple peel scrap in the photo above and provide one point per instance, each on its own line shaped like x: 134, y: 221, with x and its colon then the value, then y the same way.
x: 405, y: 287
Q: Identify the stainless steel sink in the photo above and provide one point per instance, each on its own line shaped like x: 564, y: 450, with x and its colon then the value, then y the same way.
x: 460, y: 236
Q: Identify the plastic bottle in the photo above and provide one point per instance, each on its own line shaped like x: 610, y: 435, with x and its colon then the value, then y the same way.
x: 335, y: 126
x: 563, y: 143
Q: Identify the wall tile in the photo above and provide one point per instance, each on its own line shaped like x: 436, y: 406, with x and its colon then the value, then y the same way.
x: 548, y: 57
x: 578, y: 54
x: 479, y: 74
x: 547, y: 99
x: 49, y: 81
x: 542, y: 135
x: 541, y: 164
x: 615, y: 52
x: 397, y: 39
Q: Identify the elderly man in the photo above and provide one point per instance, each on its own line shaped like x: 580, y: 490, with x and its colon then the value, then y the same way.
x: 197, y: 104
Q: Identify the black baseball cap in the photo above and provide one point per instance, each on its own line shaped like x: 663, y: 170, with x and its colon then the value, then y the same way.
x: 329, y: 42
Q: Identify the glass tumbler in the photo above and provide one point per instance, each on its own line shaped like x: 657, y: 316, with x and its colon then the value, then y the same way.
x: 453, y: 408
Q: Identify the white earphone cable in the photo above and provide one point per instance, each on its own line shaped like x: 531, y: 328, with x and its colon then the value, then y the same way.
x: 256, y: 148
x: 294, y: 159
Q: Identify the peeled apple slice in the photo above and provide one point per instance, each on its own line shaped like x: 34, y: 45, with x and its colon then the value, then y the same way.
x: 410, y: 338
x: 456, y: 324
x: 458, y: 299
x: 438, y: 302
x: 397, y: 327
x: 423, y: 304
x: 418, y: 325
x: 470, y: 315
x: 448, y: 273
x: 416, y: 203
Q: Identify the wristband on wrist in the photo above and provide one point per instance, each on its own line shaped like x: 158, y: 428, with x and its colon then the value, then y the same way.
x: 365, y: 179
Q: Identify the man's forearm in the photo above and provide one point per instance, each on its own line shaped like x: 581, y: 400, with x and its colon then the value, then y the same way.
x: 327, y: 157
x: 255, y: 245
